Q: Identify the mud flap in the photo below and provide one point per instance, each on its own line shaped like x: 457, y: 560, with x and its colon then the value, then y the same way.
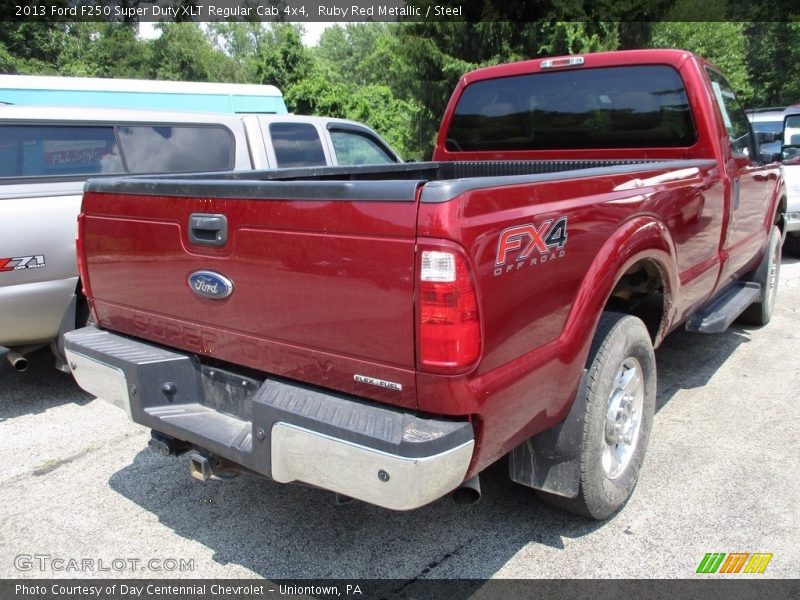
x: 67, y: 324
x: 551, y: 460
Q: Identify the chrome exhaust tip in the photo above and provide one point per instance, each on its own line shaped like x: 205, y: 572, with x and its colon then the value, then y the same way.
x: 468, y: 492
x: 18, y: 361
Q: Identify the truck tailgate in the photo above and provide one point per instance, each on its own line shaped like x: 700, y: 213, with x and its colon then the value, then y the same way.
x: 320, y: 275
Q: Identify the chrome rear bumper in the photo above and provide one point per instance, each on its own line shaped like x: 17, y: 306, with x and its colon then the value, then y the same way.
x: 280, y: 429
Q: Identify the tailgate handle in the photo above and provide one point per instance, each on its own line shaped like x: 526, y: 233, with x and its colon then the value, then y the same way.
x: 208, y: 230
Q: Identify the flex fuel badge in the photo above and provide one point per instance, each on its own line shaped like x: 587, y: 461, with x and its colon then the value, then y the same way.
x: 18, y: 263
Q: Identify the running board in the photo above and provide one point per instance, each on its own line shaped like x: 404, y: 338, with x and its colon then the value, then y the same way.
x: 718, y: 315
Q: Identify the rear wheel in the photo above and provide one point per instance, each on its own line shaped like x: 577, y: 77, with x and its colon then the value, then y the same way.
x: 620, y: 403
x: 767, y: 274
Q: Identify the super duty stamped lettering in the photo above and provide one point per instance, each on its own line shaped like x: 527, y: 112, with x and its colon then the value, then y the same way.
x: 534, y: 245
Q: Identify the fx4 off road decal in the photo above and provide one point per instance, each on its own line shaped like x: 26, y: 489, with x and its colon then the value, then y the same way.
x: 19, y: 263
x: 529, y: 245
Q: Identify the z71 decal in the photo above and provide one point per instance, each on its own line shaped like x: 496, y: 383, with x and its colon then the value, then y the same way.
x: 19, y: 263
x: 532, y: 245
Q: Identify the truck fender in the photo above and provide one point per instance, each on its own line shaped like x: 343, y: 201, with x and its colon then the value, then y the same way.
x: 640, y: 239
x: 550, y: 460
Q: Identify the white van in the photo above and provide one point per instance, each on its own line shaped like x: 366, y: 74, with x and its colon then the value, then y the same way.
x: 199, y: 96
x: 47, y: 153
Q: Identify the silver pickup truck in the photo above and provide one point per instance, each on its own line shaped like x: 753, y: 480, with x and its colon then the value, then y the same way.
x: 47, y: 153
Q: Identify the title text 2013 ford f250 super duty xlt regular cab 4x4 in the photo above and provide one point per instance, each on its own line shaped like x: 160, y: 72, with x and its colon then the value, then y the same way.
x: 388, y: 332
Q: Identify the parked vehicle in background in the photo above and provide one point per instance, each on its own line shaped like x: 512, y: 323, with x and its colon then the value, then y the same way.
x: 768, y: 120
x: 389, y: 332
x: 785, y: 123
x: 33, y: 90
x: 791, y: 174
x: 47, y: 153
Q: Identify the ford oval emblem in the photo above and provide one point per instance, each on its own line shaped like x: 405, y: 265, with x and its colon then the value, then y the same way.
x: 210, y: 285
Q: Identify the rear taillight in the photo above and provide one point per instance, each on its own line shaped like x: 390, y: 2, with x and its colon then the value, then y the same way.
x: 449, y: 322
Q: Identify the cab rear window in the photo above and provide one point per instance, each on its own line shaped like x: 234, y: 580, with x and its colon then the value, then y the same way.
x: 79, y: 151
x: 615, y: 107
x: 297, y: 145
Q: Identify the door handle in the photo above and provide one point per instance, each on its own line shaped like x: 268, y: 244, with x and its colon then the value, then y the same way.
x: 208, y: 229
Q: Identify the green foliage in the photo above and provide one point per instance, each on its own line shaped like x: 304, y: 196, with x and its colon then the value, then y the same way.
x: 284, y: 60
x: 36, y: 47
x: 375, y: 105
x: 398, y: 77
x: 722, y: 43
x: 581, y: 37
x: 7, y: 62
x: 773, y: 51
x: 182, y: 52
x: 240, y: 43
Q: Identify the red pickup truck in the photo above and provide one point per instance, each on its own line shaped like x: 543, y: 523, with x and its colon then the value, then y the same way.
x: 388, y: 332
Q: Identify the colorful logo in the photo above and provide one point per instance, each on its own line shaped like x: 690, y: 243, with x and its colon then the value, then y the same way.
x: 210, y: 285
x: 18, y: 263
x: 530, y: 245
x: 736, y: 562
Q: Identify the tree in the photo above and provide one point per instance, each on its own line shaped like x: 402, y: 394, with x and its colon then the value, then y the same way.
x: 773, y: 52
x: 393, y: 118
x: 283, y: 60
x: 36, y: 47
x: 116, y: 51
x: 242, y: 44
x: 183, y: 52
x: 722, y: 43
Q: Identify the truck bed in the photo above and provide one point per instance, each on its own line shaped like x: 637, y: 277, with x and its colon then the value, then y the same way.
x: 322, y: 259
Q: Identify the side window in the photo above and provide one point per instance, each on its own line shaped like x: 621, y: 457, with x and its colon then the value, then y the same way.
x: 733, y: 116
x: 57, y: 151
x: 355, y: 148
x: 297, y: 145
x: 176, y: 149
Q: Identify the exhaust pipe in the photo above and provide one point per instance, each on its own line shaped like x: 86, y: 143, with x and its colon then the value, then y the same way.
x: 468, y: 492
x: 19, y: 362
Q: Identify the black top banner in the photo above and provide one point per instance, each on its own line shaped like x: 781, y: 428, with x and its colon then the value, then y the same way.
x: 346, y: 11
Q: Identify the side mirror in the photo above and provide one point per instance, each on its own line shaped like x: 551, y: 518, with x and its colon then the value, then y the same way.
x: 767, y: 157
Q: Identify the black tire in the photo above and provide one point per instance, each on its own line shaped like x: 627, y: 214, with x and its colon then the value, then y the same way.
x: 621, y: 342
x: 767, y: 274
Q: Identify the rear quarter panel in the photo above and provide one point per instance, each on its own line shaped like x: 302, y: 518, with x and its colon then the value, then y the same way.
x: 538, y: 315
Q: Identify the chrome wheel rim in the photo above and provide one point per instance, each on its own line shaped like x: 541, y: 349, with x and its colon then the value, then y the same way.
x: 623, y: 422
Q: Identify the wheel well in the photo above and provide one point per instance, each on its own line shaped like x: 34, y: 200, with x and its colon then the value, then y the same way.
x: 640, y: 292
